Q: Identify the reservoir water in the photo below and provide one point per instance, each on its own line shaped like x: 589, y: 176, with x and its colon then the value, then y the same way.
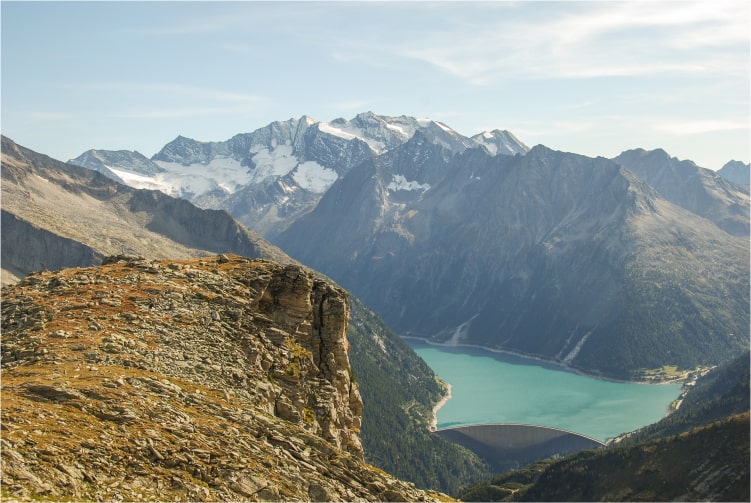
x: 490, y: 387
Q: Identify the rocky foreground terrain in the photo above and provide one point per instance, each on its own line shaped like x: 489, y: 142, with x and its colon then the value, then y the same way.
x: 219, y: 378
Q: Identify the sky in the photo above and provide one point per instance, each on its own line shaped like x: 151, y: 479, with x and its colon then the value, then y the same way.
x: 594, y: 77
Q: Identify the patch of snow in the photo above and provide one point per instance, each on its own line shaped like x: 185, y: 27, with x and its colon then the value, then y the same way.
x: 492, y: 147
x: 350, y: 133
x: 398, y: 129
x: 275, y: 162
x: 444, y: 127
x: 143, y: 181
x: 313, y: 177
x: 399, y: 182
x: 223, y: 173
x: 569, y: 357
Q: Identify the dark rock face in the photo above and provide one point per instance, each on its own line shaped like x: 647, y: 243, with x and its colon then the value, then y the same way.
x: 215, y: 379
x: 550, y: 254
x: 26, y: 247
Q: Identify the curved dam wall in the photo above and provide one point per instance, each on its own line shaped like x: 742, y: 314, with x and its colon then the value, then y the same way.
x: 517, y: 444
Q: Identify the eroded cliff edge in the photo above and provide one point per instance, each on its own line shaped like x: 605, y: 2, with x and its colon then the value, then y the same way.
x: 208, y: 379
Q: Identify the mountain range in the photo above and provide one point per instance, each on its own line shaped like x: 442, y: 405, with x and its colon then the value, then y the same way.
x: 269, y: 177
x: 557, y: 236
x: 611, y: 266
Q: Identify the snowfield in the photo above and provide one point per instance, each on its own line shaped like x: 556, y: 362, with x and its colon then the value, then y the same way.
x: 400, y: 182
x: 313, y: 177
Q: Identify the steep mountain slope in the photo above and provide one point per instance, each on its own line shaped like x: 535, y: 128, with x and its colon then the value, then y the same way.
x: 549, y: 254
x: 696, y: 189
x: 722, y: 392
x: 211, y: 379
x: 90, y: 212
x: 399, y: 391
x: 271, y: 176
x: 736, y: 172
x: 705, y: 464
x: 58, y: 197
x: 698, y: 453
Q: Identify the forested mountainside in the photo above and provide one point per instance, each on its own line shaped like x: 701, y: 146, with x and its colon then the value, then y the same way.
x: 399, y: 391
x: 221, y: 378
x: 555, y: 255
x: 722, y: 392
x: 699, y: 453
x: 76, y: 217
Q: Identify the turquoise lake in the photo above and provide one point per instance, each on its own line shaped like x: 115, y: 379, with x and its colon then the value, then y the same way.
x: 489, y: 387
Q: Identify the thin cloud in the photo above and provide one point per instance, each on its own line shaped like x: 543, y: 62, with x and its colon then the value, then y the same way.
x: 684, y: 128
x: 601, y: 40
x: 175, y: 89
x: 50, y: 116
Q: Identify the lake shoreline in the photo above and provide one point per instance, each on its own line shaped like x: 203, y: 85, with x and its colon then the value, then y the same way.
x: 561, y: 366
x: 444, y: 399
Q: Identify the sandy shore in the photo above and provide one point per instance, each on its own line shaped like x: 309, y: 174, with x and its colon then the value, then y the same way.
x: 441, y: 403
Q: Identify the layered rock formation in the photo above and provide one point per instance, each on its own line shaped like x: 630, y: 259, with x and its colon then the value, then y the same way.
x: 207, y: 379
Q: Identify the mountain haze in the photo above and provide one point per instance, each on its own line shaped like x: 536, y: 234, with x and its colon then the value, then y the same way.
x: 610, y: 266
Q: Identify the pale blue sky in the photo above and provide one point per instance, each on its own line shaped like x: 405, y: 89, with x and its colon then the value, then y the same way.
x: 595, y: 77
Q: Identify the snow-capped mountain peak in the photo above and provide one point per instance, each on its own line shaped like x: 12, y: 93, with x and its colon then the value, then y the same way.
x: 268, y: 176
x: 501, y: 142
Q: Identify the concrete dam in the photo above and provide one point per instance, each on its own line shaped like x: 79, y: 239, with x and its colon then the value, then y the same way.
x: 517, y: 444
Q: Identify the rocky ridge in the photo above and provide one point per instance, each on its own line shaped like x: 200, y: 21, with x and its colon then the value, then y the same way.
x: 220, y: 378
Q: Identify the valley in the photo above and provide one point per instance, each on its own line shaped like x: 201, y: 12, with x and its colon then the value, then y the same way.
x: 597, y: 263
x: 491, y: 388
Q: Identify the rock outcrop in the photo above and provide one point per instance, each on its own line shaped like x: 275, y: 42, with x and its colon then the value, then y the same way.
x: 221, y: 378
